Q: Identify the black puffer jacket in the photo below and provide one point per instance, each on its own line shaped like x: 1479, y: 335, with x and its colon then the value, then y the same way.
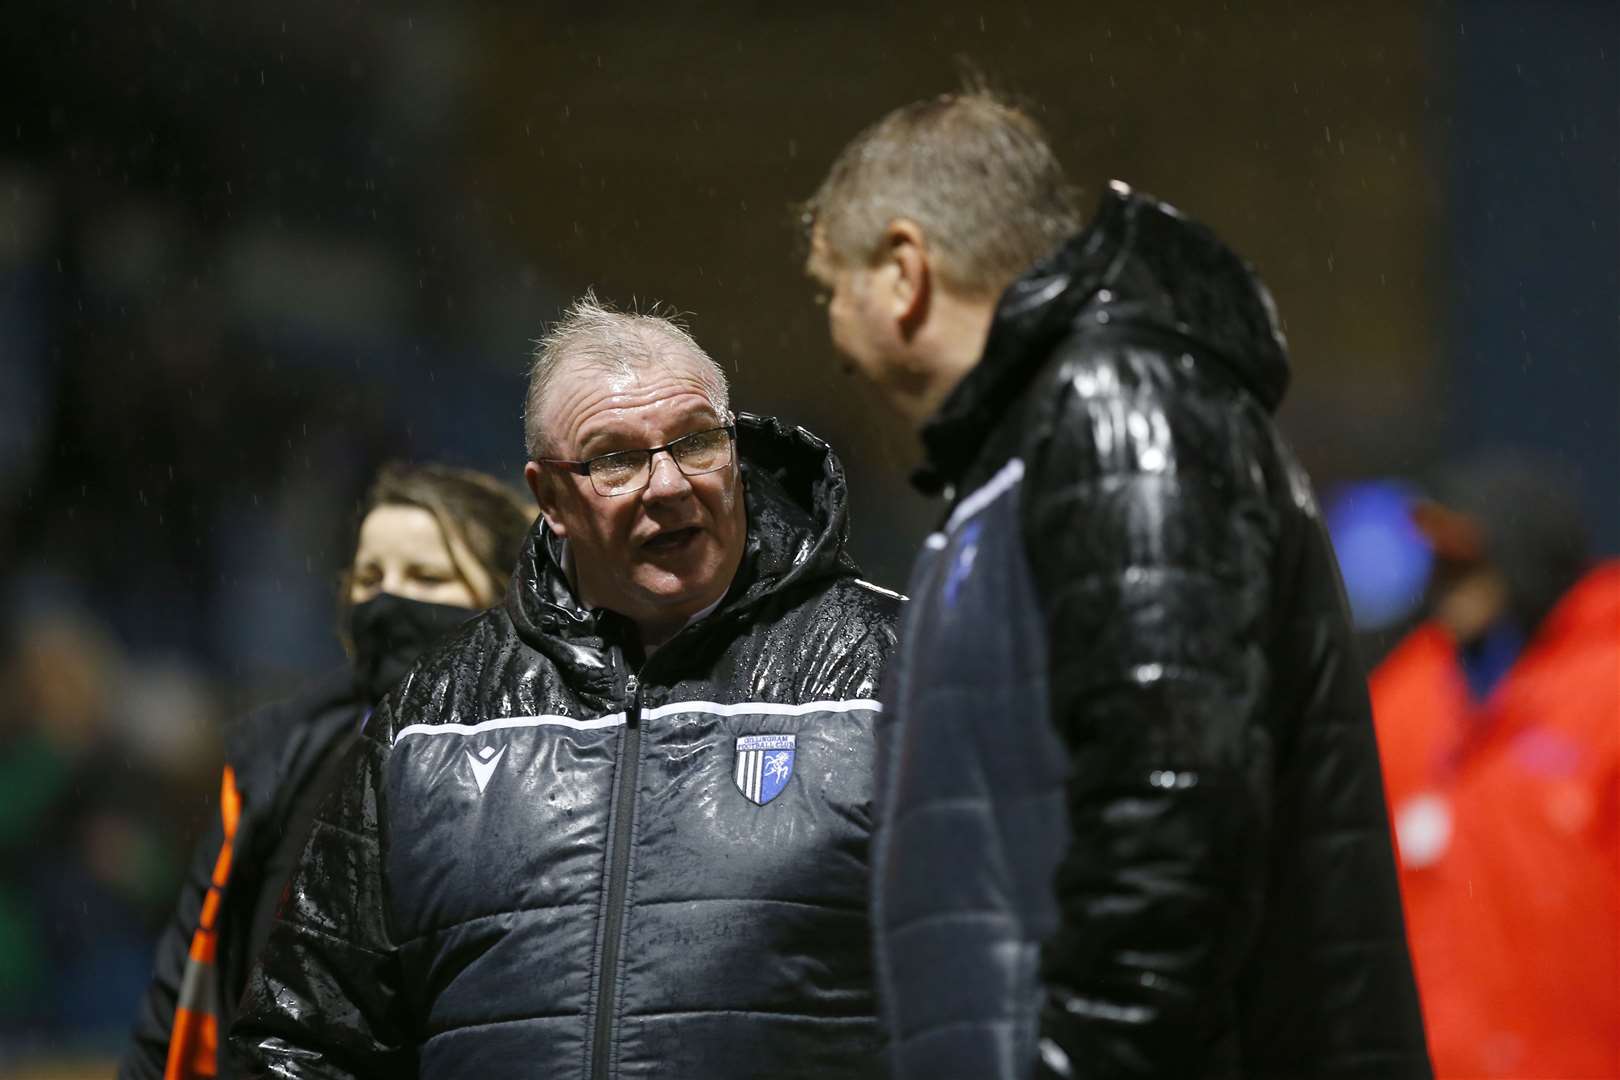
x: 1133, y: 821
x: 553, y: 864
x: 280, y: 760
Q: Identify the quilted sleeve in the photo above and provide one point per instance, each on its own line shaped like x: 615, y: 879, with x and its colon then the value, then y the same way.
x: 1150, y: 545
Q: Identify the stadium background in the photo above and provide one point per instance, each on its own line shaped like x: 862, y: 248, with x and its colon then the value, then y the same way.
x: 248, y: 254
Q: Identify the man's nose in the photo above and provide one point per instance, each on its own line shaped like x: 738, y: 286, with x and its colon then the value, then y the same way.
x: 667, y: 481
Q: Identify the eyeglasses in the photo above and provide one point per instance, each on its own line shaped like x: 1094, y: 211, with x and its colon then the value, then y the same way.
x: 626, y: 471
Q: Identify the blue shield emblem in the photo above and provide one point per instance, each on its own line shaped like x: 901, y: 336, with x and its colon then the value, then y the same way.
x: 764, y: 763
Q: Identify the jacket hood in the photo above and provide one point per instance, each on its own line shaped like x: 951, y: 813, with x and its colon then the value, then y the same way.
x: 1146, y: 252
x: 796, y: 499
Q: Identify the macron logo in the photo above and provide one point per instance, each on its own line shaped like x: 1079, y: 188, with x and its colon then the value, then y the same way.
x: 483, y: 770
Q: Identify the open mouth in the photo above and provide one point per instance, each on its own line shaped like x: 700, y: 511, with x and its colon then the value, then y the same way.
x: 673, y: 540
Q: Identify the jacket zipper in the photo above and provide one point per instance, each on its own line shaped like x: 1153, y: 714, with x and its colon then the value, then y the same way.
x: 618, y: 877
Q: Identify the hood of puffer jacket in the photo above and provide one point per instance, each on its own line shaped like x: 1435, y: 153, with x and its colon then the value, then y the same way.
x: 797, y: 506
x: 1177, y: 276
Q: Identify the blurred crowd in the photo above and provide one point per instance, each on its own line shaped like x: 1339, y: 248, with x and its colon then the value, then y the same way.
x: 190, y: 408
x: 104, y: 766
x: 168, y: 496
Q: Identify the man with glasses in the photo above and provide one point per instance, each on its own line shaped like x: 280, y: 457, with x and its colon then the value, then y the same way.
x: 618, y: 826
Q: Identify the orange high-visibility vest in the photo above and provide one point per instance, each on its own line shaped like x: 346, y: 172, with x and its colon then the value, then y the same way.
x: 194, y: 1042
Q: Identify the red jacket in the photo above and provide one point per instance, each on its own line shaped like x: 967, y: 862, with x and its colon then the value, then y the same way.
x: 1507, y: 815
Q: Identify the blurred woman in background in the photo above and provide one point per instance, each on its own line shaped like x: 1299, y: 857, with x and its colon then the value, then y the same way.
x: 435, y: 544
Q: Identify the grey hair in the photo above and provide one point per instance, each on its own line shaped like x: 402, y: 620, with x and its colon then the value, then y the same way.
x: 592, y: 332
x: 975, y: 171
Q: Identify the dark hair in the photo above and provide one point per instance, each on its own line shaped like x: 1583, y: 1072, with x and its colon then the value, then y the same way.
x: 489, y: 519
x: 974, y: 171
x: 1532, y: 524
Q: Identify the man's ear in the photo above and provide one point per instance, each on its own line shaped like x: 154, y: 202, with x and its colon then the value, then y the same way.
x: 543, y: 485
x: 905, y: 251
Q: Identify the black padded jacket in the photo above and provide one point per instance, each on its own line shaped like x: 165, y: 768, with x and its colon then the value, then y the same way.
x: 280, y: 759
x: 1132, y: 815
x: 556, y: 862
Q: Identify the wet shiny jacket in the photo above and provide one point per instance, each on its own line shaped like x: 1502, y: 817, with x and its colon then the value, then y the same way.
x: 1133, y: 822
x: 556, y: 862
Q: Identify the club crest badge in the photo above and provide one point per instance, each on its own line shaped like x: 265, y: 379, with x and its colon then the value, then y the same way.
x: 764, y: 764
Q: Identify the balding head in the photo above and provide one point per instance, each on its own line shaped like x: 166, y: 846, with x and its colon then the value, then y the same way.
x: 593, y: 334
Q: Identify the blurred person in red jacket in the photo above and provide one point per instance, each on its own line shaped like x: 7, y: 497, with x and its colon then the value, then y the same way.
x: 1499, y: 725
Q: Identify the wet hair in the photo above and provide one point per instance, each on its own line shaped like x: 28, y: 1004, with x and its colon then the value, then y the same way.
x: 489, y: 519
x: 974, y: 171
x: 592, y: 332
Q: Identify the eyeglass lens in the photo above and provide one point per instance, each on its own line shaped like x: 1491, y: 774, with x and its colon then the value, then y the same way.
x: 631, y: 470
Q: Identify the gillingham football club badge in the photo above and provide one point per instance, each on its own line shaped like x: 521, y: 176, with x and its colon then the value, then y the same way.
x: 764, y: 763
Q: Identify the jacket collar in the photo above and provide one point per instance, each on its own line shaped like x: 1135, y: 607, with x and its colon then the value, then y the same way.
x: 1142, y: 249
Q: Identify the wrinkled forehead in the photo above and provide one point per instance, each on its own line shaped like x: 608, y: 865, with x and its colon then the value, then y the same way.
x: 593, y: 392
x: 399, y: 532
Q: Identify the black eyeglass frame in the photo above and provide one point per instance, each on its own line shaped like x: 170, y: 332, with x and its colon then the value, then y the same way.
x: 583, y: 468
